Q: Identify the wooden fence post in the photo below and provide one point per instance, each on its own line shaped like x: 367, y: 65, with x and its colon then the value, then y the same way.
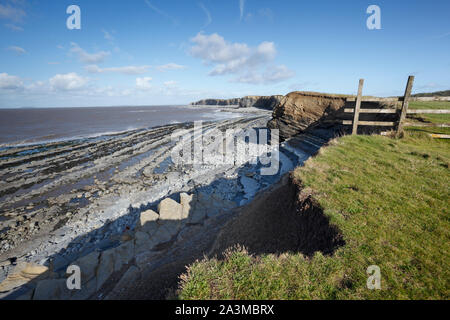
x: 357, y: 107
x: 405, y: 106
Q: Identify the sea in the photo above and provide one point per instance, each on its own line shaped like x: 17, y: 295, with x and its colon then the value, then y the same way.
x: 42, y: 125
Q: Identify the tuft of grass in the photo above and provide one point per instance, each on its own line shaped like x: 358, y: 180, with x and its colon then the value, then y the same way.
x: 390, y: 198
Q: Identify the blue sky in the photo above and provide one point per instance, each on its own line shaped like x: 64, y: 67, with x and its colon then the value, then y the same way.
x: 153, y: 52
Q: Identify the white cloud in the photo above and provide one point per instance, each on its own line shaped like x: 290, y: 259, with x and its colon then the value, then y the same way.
x: 8, y: 82
x: 89, y: 58
x: 170, y: 83
x: 124, y: 70
x: 39, y: 86
x: 17, y: 49
x: 240, y: 59
x: 143, y: 83
x: 170, y: 66
x: 68, y: 82
x: 215, y: 49
x: 207, y: 13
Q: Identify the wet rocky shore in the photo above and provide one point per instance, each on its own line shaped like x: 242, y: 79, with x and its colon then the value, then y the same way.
x: 123, y: 208
x: 61, y: 201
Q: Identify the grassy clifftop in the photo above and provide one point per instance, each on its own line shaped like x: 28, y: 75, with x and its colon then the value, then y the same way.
x: 389, y: 198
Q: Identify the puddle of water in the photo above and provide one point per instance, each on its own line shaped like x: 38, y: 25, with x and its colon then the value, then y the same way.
x: 163, y: 166
x: 22, y: 191
x: 135, y: 160
x: 106, y: 175
x: 251, y: 187
x: 54, y: 193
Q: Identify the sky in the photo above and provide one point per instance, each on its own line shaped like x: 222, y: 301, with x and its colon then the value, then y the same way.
x: 162, y: 52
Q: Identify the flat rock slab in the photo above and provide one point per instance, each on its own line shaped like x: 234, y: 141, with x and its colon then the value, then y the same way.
x: 147, y: 216
x: 170, y: 210
x: 22, y: 274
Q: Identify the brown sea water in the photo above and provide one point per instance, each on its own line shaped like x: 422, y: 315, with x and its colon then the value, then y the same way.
x: 26, y: 126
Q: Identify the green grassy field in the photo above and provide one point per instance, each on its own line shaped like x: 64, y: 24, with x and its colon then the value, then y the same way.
x: 432, y: 118
x: 390, y: 198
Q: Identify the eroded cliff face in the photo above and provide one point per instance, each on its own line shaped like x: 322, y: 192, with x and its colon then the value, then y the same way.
x: 299, y: 110
x: 262, y: 102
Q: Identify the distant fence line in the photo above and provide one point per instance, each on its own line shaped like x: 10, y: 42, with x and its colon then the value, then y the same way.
x: 401, y: 122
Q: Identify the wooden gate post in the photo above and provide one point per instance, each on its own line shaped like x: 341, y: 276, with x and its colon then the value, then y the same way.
x: 405, y: 106
x: 357, y: 107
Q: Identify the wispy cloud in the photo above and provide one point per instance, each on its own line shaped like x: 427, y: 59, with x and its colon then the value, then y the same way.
x: 442, y: 35
x: 431, y: 86
x: 89, y: 58
x: 266, y: 13
x: 161, y: 12
x: 170, y: 66
x: 131, y: 70
x: 17, y: 50
x: 208, y: 15
x: 11, y: 11
x: 13, y: 27
x: 170, y: 83
x: 241, y: 8
x: 272, y: 74
x: 107, y: 35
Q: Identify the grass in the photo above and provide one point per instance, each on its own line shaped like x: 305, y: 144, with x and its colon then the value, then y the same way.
x: 390, y: 198
x: 431, y: 118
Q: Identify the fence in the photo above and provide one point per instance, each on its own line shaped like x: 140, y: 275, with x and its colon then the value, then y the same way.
x: 402, y: 113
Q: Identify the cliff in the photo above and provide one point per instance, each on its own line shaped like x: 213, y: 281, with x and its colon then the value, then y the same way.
x: 263, y: 102
x: 299, y: 111
x: 217, y: 102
